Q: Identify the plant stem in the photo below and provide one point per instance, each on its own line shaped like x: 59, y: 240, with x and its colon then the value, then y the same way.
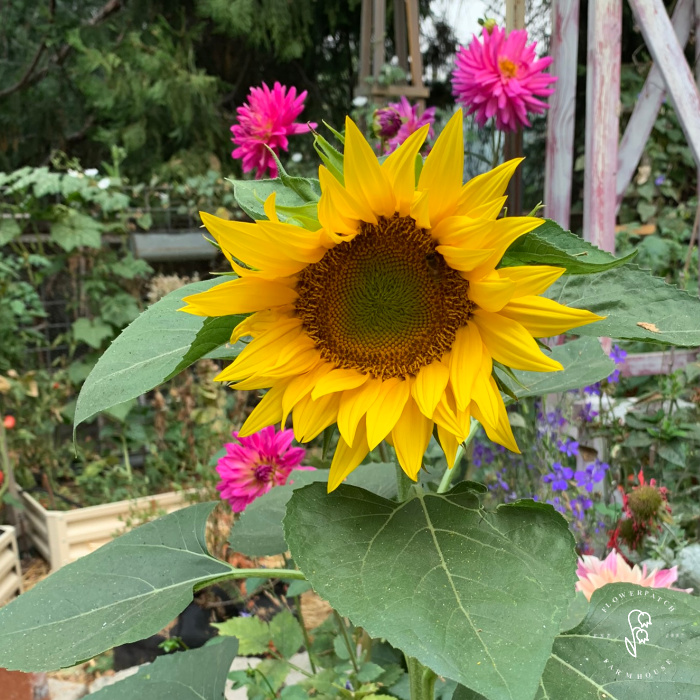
x: 421, y: 680
x: 449, y: 472
x: 346, y: 637
x: 286, y: 574
x: 305, y: 632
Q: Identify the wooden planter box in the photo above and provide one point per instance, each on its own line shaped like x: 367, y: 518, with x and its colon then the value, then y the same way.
x: 10, y: 571
x: 64, y: 536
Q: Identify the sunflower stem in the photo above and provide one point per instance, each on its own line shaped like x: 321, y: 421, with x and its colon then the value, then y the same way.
x: 450, y: 472
x: 421, y: 680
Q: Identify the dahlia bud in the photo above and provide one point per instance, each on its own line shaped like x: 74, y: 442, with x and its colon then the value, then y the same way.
x: 488, y: 24
x: 387, y: 122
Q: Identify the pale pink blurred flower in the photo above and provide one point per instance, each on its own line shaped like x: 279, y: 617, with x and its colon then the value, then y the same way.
x: 267, y: 119
x: 259, y: 462
x: 594, y: 573
x: 499, y: 75
x: 398, y: 120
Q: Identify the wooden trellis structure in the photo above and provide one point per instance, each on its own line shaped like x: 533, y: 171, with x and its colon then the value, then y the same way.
x: 373, y: 51
x: 609, y: 165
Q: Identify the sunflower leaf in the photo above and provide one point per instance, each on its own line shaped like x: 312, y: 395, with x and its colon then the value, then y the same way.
x: 550, y: 244
x: 331, y: 157
x: 638, y: 306
x: 477, y: 596
x: 251, y: 194
x: 159, y: 344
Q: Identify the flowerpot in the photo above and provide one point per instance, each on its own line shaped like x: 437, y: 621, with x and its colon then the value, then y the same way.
x: 10, y: 570
x: 64, y: 536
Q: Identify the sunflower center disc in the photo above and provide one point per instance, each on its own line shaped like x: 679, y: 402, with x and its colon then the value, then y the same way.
x: 385, y: 303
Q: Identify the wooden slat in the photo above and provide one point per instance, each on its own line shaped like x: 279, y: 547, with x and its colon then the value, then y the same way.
x: 412, y: 22
x: 667, y: 53
x: 515, y: 14
x: 647, y: 107
x: 378, y: 37
x: 401, y: 34
x: 650, y: 363
x: 697, y: 76
x: 559, y: 163
x: 365, y: 46
x: 602, y: 121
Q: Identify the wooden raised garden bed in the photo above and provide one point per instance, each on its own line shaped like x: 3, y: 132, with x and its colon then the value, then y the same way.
x: 10, y: 570
x: 64, y: 536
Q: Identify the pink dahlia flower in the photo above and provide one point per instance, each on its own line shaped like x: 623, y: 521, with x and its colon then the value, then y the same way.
x: 499, y: 75
x: 594, y: 573
x: 398, y: 120
x: 259, y: 462
x: 267, y: 120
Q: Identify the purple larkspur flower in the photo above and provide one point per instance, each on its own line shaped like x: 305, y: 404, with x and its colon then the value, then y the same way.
x: 586, y: 413
x: 617, y: 354
x: 558, y: 478
x: 557, y: 504
x: 569, y: 448
x: 580, y: 505
x: 660, y: 180
x: 592, y: 389
x: 593, y: 474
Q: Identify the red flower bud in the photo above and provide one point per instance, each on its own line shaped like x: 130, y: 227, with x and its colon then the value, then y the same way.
x: 9, y: 422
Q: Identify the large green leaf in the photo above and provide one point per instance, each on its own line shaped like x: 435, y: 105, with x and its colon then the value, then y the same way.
x: 638, y: 306
x: 593, y: 661
x: 124, y: 591
x: 259, y: 531
x: 193, y: 675
x: 295, y: 192
x: 476, y: 596
x: 584, y: 362
x: 550, y: 244
x: 160, y: 343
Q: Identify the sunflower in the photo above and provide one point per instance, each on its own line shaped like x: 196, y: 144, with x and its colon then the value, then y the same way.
x: 387, y: 315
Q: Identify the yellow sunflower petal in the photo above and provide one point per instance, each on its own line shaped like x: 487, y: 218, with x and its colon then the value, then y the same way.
x: 489, y: 210
x: 338, y: 212
x: 240, y: 296
x: 311, y: 417
x: 353, y: 407
x: 400, y: 169
x: 267, y: 412
x: 485, y: 393
x: 346, y: 457
x: 543, y: 317
x: 531, y: 279
x: 451, y: 418
x: 411, y: 436
x: 491, y: 292
x: 420, y: 210
x: 364, y: 178
x: 338, y: 380
x: 269, y: 207
x: 429, y: 386
x: 509, y: 343
x: 463, y: 259
x: 301, y: 386
x: 442, y: 172
x: 462, y: 231
x: 501, y: 433
x: 386, y: 409
x: 465, y: 363
x: 449, y: 444
x: 486, y: 187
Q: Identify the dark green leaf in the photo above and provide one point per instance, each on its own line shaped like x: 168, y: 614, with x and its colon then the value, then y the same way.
x: 192, y: 675
x: 550, y: 244
x: 149, y: 351
x: 286, y: 634
x: 74, y: 230
x: 251, y: 195
x: 126, y: 590
x: 252, y: 633
x: 476, y: 596
x: 584, y: 363
x: 637, y: 305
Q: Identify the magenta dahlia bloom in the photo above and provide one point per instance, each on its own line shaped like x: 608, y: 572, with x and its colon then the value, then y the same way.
x: 267, y: 119
x: 259, y: 462
x: 499, y: 75
x: 398, y: 120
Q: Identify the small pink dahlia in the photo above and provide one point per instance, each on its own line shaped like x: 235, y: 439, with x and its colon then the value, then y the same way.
x: 594, y: 573
x: 398, y: 120
x: 267, y: 119
x: 499, y: 75
x: 259, y: 462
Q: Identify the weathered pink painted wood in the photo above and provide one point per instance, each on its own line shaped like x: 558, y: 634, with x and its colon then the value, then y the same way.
x: 649, y: 363
x: 602, y: 121
x: 697, y: 76
x: 668, y: 55
x: 647, y: 106
x: 559, y: 162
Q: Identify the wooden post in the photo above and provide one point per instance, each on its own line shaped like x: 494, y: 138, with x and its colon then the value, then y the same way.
x: 400, y: 34
x: 697, y: 75
x: 559, y: 163
x: 602, y: 121
x: 365, y: 46
x: 513, y: 144
x: 667, y: 53
x: 378, y: 37
x: 647, y: 107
